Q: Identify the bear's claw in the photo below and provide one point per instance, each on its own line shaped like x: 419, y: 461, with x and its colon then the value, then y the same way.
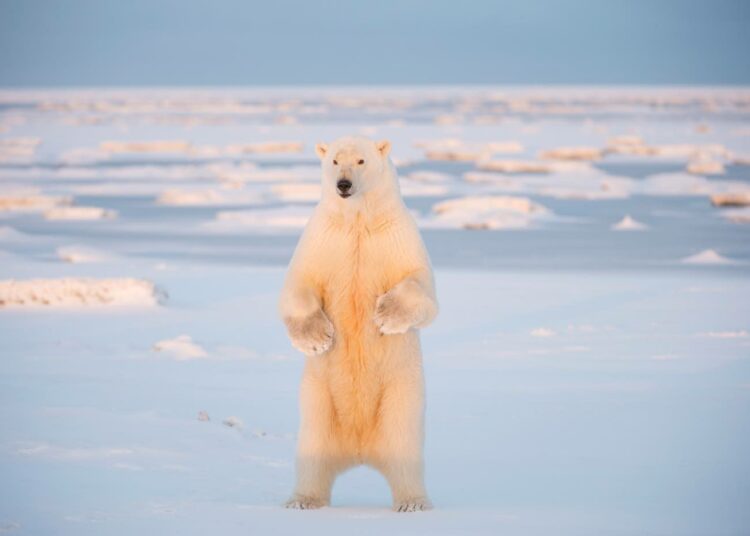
x: 312, y: 335
x: 413, y: 505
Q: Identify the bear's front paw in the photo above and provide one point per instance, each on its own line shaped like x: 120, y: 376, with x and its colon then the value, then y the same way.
x: 312, y: 335
x: 391, y: 317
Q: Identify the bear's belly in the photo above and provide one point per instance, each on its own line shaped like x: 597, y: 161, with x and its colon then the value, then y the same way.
x: 360, y: 364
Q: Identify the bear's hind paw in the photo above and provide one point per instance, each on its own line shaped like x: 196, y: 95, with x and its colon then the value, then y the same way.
x: 299, y: 502
x: 413, y: 505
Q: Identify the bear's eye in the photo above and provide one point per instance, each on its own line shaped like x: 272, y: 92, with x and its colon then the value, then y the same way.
x: 335, y: 163
x: 361, y: 162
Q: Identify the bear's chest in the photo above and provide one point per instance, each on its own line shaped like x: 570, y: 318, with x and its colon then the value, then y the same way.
x: 360, y: 266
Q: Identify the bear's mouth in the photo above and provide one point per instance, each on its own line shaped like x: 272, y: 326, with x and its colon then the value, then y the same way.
x: 344, y: 195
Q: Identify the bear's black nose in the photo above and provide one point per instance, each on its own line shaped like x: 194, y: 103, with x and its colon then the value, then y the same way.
x: 344, y: 185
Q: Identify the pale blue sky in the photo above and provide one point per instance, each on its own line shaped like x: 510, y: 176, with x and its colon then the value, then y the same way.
x: 243, y: 42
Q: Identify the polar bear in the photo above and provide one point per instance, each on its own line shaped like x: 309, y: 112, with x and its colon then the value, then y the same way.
x: 358, y: 288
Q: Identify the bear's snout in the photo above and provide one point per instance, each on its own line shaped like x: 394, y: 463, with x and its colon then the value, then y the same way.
x: 343, y: 186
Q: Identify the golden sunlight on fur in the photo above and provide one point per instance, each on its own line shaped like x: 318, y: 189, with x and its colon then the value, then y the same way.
x: 358, y: 287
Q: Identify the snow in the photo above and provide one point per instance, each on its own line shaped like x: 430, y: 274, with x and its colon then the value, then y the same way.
x: 578, y: 380
x: 629, y: 224
x: 77, y: 292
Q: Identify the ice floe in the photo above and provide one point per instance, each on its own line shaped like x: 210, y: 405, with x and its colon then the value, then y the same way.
x: 30, y: 200
x: 268, y: 147
x: 79, y: 213
x: 155, y: 146
x: 572, y: 153
x: 542, y: 333
x: 485, y: 212
x: 291, y: 217
x: 296, y: 192
x: 629, y: 224
x: 452, y: 149
x: 707, y: 256
x: 74, y: 292
x: 738, y: 199
x: 705, y: 167
x: 742, y: 334
x: 514, y: 166
x: 181, y: 348
x: 683, y: 184
x: 579, y: 181
x: 80, y: 254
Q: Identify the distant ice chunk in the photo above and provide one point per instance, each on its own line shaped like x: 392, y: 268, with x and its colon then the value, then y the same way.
x: 707, y: 256
x: 410, y: 188
x: 451, y: 149
x: 737, y: 199
x: 189, y: 197
x: 629, y: 224
x: 572, y: 153
x: 297, y: 191
x: 207, y: 197
x: 80, y: 254
x: 79, y: 213
x: 742, y: 334
x: 684, y: 184
x: 514, y: 166
x: 181, y: 348
x: 30, y: 200
x: 486, y: 212
x: 429, y: 176
x: 233, y: 422
x: 268, y: 147
x: 287, y: 217
x: 76, y: 292
x: 705, y: 167
x: 542, y: 332
x: 155, y: 146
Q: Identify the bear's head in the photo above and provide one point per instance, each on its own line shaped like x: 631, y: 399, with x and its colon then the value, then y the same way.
x: 354, y: 167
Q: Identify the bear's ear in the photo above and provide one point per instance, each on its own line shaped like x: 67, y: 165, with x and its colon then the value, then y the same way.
x: 321, y: 149
x: 384, y: 147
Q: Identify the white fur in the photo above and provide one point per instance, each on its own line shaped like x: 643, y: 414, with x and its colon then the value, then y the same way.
x: 358, y: 287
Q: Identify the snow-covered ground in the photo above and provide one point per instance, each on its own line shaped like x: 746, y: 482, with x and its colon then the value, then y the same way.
x: 589, y: 372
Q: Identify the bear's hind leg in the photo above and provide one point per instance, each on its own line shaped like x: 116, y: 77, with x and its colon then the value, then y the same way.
x: 397, y: 449
x: 319, y: 457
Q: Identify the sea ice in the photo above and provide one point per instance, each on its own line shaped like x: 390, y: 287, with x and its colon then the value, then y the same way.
x: 76, y: 292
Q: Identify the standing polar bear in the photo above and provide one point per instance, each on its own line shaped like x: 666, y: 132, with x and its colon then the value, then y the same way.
x: 358, y: 287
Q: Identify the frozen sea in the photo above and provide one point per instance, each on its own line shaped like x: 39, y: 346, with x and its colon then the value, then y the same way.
x: 589, y: 372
